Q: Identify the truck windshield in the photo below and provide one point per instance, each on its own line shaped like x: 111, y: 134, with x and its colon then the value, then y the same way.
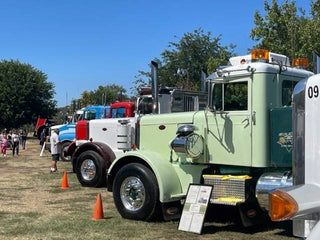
x: 89, y: 115
x: 118, y: 112
x: 76, y: 117
x: 234, y: 97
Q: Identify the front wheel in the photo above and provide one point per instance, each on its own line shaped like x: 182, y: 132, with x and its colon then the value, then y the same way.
x: 62, y: 155
x: 136, y: 192
x: 91, y: 170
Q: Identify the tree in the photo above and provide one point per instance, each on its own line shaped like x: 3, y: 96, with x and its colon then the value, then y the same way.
x: 25, y: 94
x: 182, y: 63
x: 103, y: 95
x: 309, y: 34
x: 285, y: 29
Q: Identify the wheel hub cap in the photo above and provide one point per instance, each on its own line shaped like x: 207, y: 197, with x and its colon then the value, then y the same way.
x: 88, y: 170
x: 132, y: 193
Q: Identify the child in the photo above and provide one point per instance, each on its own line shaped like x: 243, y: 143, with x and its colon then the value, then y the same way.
x: 4, y: 143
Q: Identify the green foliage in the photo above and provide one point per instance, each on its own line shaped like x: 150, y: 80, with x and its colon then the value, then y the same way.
x: 285, y: 29
x: 25, y: 94
x: 103, y: 95
x: 192, y: 53
x: 310, y: 32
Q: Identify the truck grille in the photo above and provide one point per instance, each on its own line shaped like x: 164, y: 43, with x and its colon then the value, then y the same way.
x: 227, y: 189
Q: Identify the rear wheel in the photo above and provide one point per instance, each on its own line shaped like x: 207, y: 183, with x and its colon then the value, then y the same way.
x: 136, y: 192
x: 91, y: 170
x: 62, y: 155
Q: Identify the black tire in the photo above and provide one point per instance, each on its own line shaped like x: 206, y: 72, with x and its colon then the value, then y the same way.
x: 142, y: 176
x: 64, y: 145
x: 90, y: 161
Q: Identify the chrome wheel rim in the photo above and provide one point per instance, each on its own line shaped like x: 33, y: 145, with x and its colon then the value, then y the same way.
x: 132, y: 193
x: 88, y: 170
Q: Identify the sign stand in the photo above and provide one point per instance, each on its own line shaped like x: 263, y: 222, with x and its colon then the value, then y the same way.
x: 195, y: 208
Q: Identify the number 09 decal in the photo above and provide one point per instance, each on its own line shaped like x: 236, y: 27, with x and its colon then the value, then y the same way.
x: 313, y: 91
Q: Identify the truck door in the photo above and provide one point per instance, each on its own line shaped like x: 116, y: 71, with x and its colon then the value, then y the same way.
x: 229, y: 137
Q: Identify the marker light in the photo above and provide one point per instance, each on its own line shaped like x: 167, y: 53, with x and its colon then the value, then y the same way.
x: 259, y: 55
x: 300, y: 62
x: 282, y: 206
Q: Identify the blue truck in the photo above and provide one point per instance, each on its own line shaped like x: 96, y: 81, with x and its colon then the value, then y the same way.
x: 67, y: 131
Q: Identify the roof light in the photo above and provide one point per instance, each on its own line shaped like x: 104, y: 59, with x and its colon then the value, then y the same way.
x: 282, y: 206
x: 300, y: 63
x: 260, y: 55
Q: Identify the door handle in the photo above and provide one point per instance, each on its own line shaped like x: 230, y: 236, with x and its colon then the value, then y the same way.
x: 247, y: 120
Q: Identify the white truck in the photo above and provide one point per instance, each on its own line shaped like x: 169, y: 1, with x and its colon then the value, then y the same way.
x: 99, y: 142
x: 301, y: 202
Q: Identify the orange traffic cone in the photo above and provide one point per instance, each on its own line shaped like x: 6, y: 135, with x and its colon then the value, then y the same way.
x: 64, y: 184
x: 98, y: 209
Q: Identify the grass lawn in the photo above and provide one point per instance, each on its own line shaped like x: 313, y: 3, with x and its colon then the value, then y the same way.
x: 33, y: 206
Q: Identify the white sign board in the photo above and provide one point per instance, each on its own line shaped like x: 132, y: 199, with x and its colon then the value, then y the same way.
x: 195, y: 208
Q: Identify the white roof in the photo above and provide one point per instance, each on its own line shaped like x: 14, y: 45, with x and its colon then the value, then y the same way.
x: 273, y: 58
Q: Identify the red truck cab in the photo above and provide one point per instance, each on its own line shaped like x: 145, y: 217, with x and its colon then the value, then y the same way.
x: 122, y: 109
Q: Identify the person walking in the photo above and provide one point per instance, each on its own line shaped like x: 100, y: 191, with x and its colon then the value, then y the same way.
x: 42, y: 137
x: 15, y: 140
x: 23, y: 136
x: 55, y: 145
x: 4, y: 142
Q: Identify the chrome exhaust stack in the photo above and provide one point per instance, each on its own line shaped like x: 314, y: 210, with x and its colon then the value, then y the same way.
x: 154, y: 79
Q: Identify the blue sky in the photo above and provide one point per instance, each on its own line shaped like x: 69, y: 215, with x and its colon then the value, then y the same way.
x: 82, y: 44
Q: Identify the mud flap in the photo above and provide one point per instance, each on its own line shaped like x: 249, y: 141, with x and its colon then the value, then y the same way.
x: 171, y: 210
x: 251, y: 214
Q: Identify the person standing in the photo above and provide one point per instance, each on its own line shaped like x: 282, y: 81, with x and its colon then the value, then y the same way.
x: 9, y: 137
x: 23, y: 136
x: 15, y: 140
x: 55, y: 145
x: 42, y: 137
x: 4, y: 143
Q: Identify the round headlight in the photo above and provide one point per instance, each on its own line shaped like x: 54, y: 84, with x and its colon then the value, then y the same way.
x: 194, y: 145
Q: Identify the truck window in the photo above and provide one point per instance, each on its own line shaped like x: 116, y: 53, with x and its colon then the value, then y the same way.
x: 145, y: 105
x: 89, y: 115
x: 217, y: 96
x: 118, y: 112
x: 287, y: 90
x: 235, y: 96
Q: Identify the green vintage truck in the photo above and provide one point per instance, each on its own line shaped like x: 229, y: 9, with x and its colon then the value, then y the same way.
x: 241, y: 144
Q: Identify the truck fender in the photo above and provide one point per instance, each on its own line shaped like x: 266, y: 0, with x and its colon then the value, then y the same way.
x: 70, y: 149
x: 101, y: 148
x: 167, y: 179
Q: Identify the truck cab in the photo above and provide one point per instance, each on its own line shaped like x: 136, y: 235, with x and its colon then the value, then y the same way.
x: 67, y: 131
x: 244, y: 133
